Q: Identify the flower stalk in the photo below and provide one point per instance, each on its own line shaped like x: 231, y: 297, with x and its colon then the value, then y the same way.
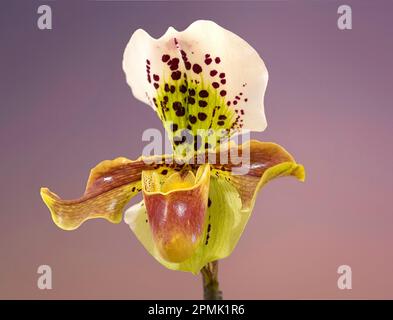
x: 211, y: 288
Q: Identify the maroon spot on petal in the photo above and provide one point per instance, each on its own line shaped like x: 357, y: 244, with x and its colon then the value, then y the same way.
x: 173, y: 89
x: 174, y: 65
x: 181, y: 112
x: 228, y: 103
x: 223, y: 81
x: 208, y: 61
x: 221, y: 123
x: 176, y: 105
x: 156, y: 85
x: 222, y: 117
x: 237, y: 98
x: 222, y: 75
x: 188, y: 65
x: 166, y: 87
x: 147, y: 61
x: 207, y: 55
x: 148, y: 78
x: 197, y: 68
x: 165, y: 57
x: 202, y: 103
x: 234, y: 102
x: 176, y: 75
x: 192, y: 119
x: 191, y: 100
x: 223, y: 93
x: 183, y: 53
x: 183, y: 88
x: 242, y: 112
x: 214, y: 110
x: 191, y: 92
x: 203, y: 94
x: 174, y: 126
x: 217, y: 60
x: 213, y: 73
x: 240, y: 93
x: 246, y: 100
x: 202, y: 116
x: 156, y: 77
x: 215, y: 85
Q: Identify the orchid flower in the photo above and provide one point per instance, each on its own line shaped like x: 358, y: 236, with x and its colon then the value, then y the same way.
x: 203, y: 79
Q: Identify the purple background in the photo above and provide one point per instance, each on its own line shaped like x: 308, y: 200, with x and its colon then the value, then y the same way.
x: 65, y: 106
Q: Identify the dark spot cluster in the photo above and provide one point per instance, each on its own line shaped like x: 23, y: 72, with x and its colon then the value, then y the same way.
x: 163, y: 105
x: 135, y: 189
x: 187, y: 64
x: 168, y: 88
x: 208, y: 59
x: 220, y: 80
x: 190, y: 96
x: 148, y: 70
x: 180, y: 111
x: 173, y: 65
x: 156, y: 77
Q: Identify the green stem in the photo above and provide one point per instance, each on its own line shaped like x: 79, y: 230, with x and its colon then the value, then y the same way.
x: 211, y: 289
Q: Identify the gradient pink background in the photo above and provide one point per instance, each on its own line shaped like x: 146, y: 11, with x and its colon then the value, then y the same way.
x: 65, y: 106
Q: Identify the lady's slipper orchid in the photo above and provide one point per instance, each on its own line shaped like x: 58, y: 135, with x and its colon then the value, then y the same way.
x: 206, y: 84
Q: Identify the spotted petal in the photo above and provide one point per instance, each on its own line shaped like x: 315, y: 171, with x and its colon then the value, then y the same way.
x: 231, y: 201
x: 204, y: 77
